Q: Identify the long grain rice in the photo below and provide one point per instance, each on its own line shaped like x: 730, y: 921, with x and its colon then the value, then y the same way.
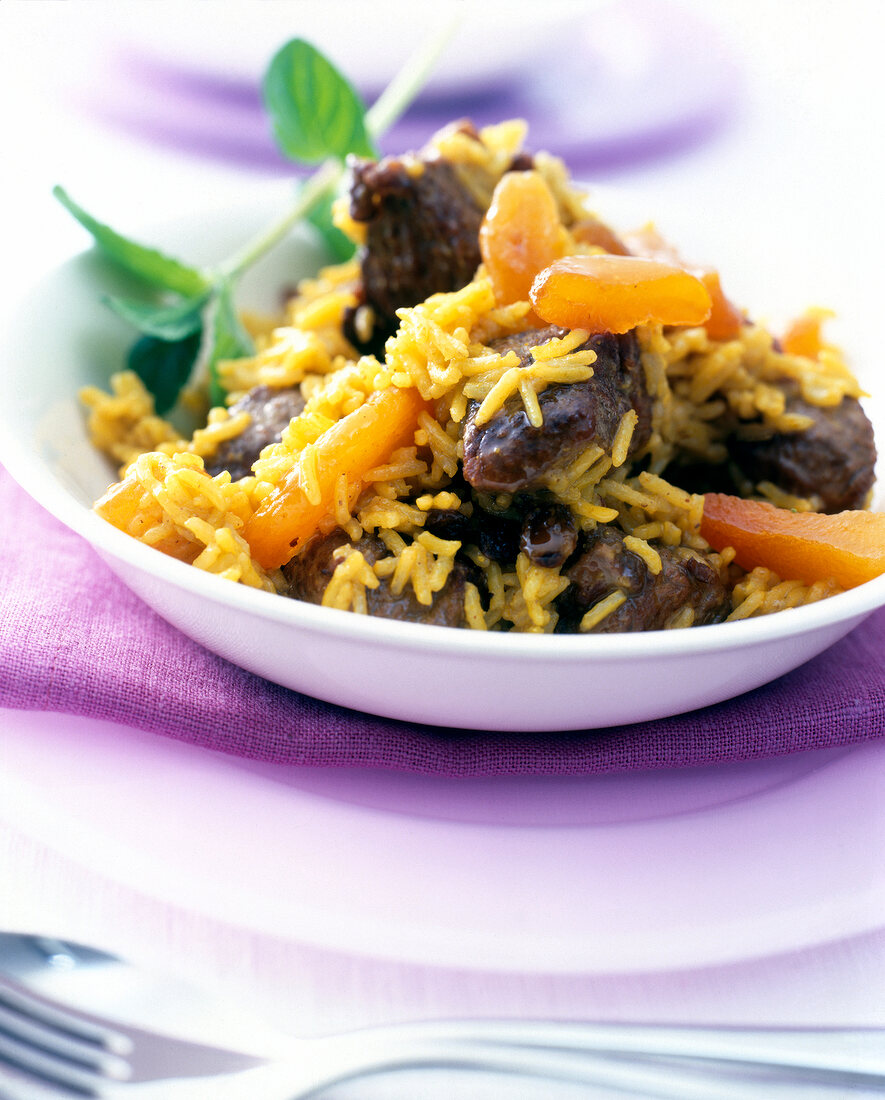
x: 601, y: 610
x: 701, y: 390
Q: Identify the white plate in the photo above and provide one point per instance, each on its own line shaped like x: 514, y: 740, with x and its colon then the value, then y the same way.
x: 630, y: 872
x: 61, y: 338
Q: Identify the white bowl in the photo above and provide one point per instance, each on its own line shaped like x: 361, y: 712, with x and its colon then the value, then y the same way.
x: 61, y: 338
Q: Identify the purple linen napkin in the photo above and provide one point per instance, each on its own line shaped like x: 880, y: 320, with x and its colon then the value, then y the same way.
x: 74, y: 639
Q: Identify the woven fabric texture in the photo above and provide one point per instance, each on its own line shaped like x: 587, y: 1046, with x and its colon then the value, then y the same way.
x: 74, y: 639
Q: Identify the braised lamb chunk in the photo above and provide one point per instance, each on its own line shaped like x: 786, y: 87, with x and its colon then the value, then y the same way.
x: 422, y: 238
x: 605, y: 565
x: 309, y: 573
x: 447, y: 608
x: 508, y: 454
x: 832, y: 461
x: 271, y: 410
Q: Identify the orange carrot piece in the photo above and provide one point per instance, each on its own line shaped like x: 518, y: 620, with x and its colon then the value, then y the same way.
x: 285, y: 521
x: 607, y: 293
x: 806, y: 546
x: 520, y: 234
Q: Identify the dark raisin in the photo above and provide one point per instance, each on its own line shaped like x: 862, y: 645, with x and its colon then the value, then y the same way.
x: 548, y: 535
x: 498, y: 538
x: 449, y: 523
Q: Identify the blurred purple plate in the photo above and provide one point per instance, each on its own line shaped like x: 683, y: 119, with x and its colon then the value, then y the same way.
x: 619, y: 873
x: 603, y: 85
x: 369, y: 42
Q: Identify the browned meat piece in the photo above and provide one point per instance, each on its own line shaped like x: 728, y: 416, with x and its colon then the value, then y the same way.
x: 422, y: 226
x: 507, y: 454
x: 605, y: 565
x: 543, y: 529
x: 834, y: 459
x: 447, y: 608
x: 310, y: 572
x: 271, y: 410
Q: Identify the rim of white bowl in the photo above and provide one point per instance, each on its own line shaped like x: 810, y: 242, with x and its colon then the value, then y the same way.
x: 39, y: 482
x: 34, y: 475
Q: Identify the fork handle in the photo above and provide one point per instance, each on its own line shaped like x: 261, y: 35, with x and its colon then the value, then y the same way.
x: 842, y: 1052
x: 662, y: 1079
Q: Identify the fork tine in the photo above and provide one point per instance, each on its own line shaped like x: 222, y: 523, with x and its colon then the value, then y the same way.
x: 63, y: 1020
x: 47, y: 1067
x: 95, y: 1058
x: 58, y: 1045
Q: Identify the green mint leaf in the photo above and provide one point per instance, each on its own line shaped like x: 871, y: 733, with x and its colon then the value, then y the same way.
x: 229, y: 340
x: 315, y: 112
x: 151, y: 265
x: 165, y: 366
x: 165, y: 322
x: 390, y: 105
x: 340, y: 246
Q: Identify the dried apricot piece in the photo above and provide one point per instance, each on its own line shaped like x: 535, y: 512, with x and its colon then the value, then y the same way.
x: 607, y: 293
x: 804, y: 546
x: 520, y: 235
x: 286, y: 519
x: 725, y: 320
x: 803, y: 336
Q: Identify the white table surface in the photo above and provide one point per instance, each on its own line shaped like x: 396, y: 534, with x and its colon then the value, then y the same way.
x: 800, y: 164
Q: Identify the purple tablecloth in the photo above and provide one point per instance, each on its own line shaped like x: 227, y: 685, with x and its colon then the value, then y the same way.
x: 74, y: 639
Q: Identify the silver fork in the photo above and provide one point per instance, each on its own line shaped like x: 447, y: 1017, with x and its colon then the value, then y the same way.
x: 64, y: 1052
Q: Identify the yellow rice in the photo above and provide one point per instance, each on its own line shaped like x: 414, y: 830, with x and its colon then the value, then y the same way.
x: 443, y: 349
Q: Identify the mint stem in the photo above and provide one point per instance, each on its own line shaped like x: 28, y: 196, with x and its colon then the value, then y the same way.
x: 405, y: 86
x: 316, y: 187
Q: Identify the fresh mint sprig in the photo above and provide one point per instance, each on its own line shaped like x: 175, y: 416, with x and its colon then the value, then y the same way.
x: 315, y: 112
x: 165, y: 322
x: 317, y: 118
x: 154, y: 267
x: 228, y: 338
x: 164, y: 365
